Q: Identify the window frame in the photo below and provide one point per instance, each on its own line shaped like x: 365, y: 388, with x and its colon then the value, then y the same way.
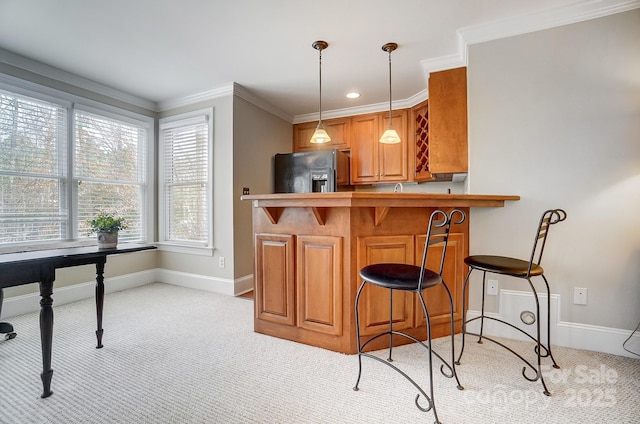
x: 196, y: 248
x: 71, y: 103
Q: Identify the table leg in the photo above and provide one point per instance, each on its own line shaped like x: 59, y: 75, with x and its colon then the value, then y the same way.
x: 46, y: 329
x: 99, y: 299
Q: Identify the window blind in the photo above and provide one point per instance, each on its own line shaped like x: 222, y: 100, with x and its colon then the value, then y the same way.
x: 109, y: 169
x: 33, y: 135
x: 61, y: 163
x: 185, y: 165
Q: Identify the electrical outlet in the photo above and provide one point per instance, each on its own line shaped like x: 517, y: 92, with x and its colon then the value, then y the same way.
x: 246, y: 191
x: 579, y: 296
x: 492, y: 287
x: 221, y: 261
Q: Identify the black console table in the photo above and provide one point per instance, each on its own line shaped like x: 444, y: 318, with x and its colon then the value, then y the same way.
x: 40, y: 267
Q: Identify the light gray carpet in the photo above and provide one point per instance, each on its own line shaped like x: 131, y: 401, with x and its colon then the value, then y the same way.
x: 176, y: 355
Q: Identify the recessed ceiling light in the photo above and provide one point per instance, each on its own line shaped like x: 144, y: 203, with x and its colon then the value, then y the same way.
x: 353, y: 95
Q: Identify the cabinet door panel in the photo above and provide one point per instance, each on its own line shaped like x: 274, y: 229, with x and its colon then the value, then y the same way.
x: 339, y: 129
x: 364, y: 152
x: 393, y: 157
x: 448, y: 147
x: 374, y: 301
x: 275, y: 290
x: 319, y: 283
x: 453, y: 274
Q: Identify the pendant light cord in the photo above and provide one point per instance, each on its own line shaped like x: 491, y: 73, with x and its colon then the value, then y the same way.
x: 320, y: 86
x: 389, y: 88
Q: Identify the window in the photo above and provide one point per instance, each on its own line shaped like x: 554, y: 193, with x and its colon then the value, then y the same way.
x: 110, y: 171
x: 185, y: 179
x: 61, y: 164
x: 33, y: 169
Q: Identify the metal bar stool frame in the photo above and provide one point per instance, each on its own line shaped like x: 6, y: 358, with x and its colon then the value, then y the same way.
x: 415, y: 279
x: 520, y: 269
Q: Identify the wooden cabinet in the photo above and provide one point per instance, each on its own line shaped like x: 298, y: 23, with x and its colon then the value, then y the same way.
x: 439, y: 127
x: 407, y: 309
x: 372, y: 161
x: 310, y: 247
x: 339, y: 129
x: 433, y: 133
x: 301, y: 281
x: 453, y: 274
x: 274, y: 298
x: 374, y: 301
x: 319, y: 284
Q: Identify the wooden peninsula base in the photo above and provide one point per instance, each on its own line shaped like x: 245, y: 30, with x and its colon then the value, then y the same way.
x: 309, y: 248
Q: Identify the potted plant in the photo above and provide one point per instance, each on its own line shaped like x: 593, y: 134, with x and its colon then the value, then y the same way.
x: 107, y: 225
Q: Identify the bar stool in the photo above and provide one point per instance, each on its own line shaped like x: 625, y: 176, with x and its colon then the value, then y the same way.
x: 523, y: 269
x: 412, y: 278
x: 5, y: 327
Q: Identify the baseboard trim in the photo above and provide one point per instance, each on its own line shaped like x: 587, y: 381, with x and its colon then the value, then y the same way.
x: 202, y: 282
x: 569, y: 334
x: 18, y: 305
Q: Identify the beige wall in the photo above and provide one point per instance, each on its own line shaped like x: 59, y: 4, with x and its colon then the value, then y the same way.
x: 257, y: 136
x: 554, y: 116
x: 245, y: 138
x: 222, y: 196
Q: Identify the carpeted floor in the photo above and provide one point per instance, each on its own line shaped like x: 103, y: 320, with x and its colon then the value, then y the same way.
x: 176, y: 355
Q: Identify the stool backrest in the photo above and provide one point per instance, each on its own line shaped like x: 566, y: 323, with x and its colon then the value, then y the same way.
x: 549, y: 218
x: 438, y: 232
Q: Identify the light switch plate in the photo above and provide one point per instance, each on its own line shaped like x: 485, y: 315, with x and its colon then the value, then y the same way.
x: 579, y: 296
x: 492, y: 287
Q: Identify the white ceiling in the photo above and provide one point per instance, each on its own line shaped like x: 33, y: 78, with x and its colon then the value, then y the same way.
x: 164, y: 50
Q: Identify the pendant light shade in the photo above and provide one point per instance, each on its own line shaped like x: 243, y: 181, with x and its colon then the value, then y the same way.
x: 320, y: 134
x: 390, y: 136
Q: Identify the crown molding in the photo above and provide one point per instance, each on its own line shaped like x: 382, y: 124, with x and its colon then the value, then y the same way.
x: 225, y: 90
x: 65, y: 77
x: 222, y: 91
x: 245, y: 94
x: 361, y: 110
x: 442, y: 63
x: 546, y: 19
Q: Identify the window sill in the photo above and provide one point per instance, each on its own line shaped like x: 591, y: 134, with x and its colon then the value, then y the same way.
x: 30, y: 247
x: 192, y: 250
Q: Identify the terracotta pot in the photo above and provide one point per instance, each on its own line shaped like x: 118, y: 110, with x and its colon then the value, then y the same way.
x: 107, y: 240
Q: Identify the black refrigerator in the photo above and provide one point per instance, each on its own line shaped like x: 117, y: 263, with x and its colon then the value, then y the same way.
x: 319, y: 171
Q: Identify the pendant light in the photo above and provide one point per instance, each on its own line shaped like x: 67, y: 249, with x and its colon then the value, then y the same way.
x: 320, y: 134
x: 390, y: 135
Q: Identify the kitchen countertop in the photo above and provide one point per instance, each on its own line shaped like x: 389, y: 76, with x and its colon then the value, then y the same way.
x: 387, y: 199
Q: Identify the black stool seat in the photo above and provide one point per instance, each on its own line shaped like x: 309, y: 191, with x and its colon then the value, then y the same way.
x: 399, y: 276
x: 503, y: 265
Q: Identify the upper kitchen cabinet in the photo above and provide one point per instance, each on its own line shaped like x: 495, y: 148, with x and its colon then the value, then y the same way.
x: 339, y: 129
x: 446, y: 120
x: 372, y: 161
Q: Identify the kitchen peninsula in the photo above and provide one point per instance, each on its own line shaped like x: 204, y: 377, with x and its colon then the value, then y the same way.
x: 309, y: 247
